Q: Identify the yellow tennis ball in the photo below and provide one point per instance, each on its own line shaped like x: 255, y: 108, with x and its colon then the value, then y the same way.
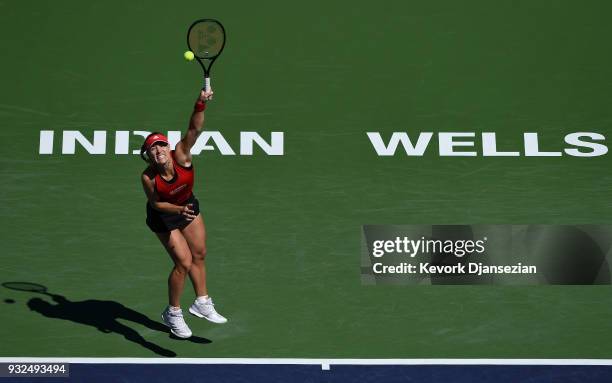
x: 188, y: 55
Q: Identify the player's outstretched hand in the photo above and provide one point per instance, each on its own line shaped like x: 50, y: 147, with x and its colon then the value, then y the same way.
x: 206, y: 96
x: 188, y: 212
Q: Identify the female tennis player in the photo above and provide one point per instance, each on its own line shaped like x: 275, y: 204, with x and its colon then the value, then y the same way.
x: 173, y: 214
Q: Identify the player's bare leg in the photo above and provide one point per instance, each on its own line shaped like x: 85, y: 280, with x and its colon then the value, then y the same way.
x: 178, y: 249
x: 203, y: 307
x: 195, y: 235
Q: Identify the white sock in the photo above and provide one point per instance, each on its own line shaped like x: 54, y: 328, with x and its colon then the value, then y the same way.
x: 174, y: 309
x: 202, y: 299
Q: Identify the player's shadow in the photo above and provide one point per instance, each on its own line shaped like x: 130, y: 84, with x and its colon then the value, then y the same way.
x: 104, y: 316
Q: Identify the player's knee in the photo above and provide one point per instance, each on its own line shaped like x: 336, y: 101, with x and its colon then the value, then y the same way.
x: 198, y: 256
x: 183, y: 266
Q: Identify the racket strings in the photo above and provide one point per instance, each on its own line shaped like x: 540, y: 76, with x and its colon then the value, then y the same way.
x: 206, y: 39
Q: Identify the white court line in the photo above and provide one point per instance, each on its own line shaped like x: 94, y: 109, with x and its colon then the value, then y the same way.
x: 324, y: 363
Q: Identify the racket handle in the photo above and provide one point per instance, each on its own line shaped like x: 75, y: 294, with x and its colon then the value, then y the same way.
x: 207, y: 84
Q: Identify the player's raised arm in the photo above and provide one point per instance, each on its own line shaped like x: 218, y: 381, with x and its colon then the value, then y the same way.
x: 196, y: 123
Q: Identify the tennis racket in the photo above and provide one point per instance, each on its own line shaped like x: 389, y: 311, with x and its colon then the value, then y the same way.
x: 206, y: 39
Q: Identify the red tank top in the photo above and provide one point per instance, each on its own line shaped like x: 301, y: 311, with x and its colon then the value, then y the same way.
x: 179, y: 188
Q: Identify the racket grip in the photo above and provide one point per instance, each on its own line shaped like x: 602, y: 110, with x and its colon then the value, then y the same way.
x: 207, y: 84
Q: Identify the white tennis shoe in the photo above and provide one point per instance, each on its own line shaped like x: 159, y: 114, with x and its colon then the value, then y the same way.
x: 175, y: 321
x: 205, y: 308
